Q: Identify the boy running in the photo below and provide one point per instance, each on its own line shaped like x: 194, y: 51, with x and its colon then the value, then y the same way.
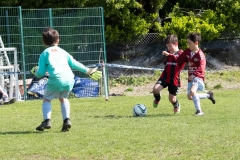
x: 196, y: 60
x: 170, y: 76
x: 57, y: 63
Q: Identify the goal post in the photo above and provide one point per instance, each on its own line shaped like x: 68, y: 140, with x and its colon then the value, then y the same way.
x: 8, y: 72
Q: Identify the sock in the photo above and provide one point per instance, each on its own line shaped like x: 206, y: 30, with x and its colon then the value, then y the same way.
x: 65, y: 107
x: 157, y: 97
x: 203, y: 96
x: 46, y: 110
x: 176, y: 104
x: 196, y: 102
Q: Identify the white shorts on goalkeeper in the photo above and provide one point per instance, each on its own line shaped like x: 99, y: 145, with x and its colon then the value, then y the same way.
x: 49, y: 95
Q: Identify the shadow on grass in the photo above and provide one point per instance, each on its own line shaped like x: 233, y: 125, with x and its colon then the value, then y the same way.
x: 148, y: 116
x: 21, y: 132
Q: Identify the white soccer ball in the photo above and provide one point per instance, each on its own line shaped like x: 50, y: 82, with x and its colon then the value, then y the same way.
x: 139, y: 110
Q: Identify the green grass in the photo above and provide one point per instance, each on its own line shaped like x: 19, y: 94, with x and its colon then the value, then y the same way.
x: 107, y: 130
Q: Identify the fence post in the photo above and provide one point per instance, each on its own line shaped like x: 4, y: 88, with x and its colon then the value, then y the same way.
x: 104, y: 56
x: 50, y: 17
x: 7, y: 28
x: 23, y: 54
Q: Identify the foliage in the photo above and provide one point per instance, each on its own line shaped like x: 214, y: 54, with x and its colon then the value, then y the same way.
x: 181, y: 25
x: 228, y: 11
x: 43, y: 3
x: 125, y: 20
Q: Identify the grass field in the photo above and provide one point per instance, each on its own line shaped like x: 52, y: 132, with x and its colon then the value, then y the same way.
x: 107, y: 130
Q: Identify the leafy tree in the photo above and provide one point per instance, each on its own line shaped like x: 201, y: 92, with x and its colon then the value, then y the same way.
x: 128, y: 18
x: 228, y: 11
x: 43, y: 3
x: 181, y: 25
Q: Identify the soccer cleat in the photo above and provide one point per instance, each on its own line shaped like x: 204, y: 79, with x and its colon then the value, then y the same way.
x: 66, y: 125
x: 155, y: 103
x: 199, y: 113
x: 177, y: 109
x: 211, y: 97
x: 46, y: 124
x: 9, y: 101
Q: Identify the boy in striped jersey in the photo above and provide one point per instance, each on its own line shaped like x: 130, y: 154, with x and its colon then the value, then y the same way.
x: 196, y: 60
x: 170, y: 76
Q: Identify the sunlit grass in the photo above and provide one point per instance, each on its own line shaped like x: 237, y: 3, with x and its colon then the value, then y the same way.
x: 107, y: 130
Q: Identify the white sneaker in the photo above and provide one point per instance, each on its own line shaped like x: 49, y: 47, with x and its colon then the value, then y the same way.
x: 199, y: 113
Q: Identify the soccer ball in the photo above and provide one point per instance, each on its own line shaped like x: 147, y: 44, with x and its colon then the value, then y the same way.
x: 139, y: 110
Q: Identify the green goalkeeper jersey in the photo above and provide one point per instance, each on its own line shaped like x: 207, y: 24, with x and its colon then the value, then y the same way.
x: 59, y: 64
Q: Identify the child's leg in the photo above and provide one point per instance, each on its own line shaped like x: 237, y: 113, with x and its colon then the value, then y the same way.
x: 156, y: 92
x: 173, y: 90
x: 193, y: 94
x: 65, y: 108
x: 46, y: 109
x: 203, y: 95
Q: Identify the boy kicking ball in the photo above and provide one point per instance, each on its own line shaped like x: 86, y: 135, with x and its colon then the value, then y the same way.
x: 57, y: 63
x: 196, y: 60
x: 170, y: 77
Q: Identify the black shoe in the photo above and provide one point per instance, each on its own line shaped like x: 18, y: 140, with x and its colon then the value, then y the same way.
x: 211, y: 97
x: 46, y: 124
x: 9, y: 101
x: 199, y: 113
x: 66, y: 125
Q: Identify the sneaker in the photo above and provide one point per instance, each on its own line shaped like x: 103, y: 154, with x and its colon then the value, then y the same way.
x: 9, y: 101
x: 177, y: 109
x: 66, y: 125
x: 199, y: 113
x: 155, y: 103
x: 211, y: 97
x: 46, y: 124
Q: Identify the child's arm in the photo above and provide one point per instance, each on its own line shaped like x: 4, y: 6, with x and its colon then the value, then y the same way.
x: 77, y: 65
x: 92, y: 72
x: 178, y: 58
x: 40, y: 70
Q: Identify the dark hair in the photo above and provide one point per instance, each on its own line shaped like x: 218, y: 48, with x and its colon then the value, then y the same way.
x: 194, y: 36
x: 172, y: 38
x: 50, y: 36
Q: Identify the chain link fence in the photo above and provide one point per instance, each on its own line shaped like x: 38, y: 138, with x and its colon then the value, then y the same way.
x: 81, y: 34
x: 146, y: 51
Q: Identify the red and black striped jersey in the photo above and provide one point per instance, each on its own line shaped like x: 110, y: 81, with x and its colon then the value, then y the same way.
x: 196, y: 62
x: 171, y: 72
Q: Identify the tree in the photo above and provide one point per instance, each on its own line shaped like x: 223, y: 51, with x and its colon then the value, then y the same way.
x: 43, y: 3
x: 181, y: 24
x: 128, y: 18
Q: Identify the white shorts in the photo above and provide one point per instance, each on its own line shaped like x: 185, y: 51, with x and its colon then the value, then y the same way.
x: 196, y: 82
x: 49, y: 95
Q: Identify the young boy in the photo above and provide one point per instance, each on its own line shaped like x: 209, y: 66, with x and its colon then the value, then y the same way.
x: 196, y: 71
x: 170, y: 76
x: 57, y: 63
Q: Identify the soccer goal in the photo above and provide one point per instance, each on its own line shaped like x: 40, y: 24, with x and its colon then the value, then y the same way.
x: 8, y: 71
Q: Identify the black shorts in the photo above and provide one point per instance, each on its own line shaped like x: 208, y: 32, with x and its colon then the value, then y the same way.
x: 172, y: 89
x: 1, y: 95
